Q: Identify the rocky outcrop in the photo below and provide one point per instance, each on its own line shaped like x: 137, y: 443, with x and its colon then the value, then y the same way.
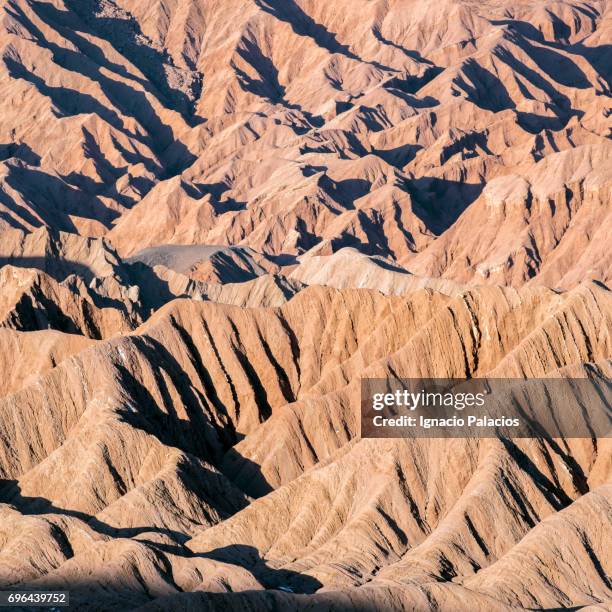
x: 156, y: 443
x: 217, y: 217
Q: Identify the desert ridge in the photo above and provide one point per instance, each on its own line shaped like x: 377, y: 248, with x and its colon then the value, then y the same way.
x: 218, y: 218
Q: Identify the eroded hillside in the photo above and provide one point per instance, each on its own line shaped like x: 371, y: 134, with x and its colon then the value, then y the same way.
x: 217, y: 217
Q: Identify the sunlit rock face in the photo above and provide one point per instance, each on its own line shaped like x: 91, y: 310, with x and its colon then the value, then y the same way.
x: 217, y: 217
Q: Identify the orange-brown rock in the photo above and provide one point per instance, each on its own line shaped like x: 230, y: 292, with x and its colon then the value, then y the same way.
x: 217, y: 217
x: 132, y: 426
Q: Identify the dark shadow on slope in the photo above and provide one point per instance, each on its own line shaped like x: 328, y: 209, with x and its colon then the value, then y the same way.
x: 245, y: 474
x: 254, y: 381
x: 559, y: 99
x: 344, y: 192
x: 211, y: 487
x: 282, y: 259
x: 374, y: 118
x: 249, y: 557
x: 131, y: 157
x: 129, y: 101
x: 123, y: 32
x: 550, y: 490
x: 483, y: 88
x: 535, y: 124
x: 199, y: 434
x: 153, y: 291
x: 89, y: 186
x: 208, y: 431
x: 411, y: 100
x: 267, y: 86
x: 10, y: 493
x: 388, y: 265
x: 113, y: 594
x: 102, y: 592
x: 11, y: 221
x: 440, y: 202
x: 399, y: 157
x: 376, y: 243
x: 564, y: 71
x: 67, y: 102
x: 40, y: 188
x: 66, y: 272
x: 70, y: 27
x: 343, y: 105
x: 230, y: 264
x: 600, y: 58
x: 46, y: 314
x: 229, y: 434
x: 411, y: 53
x: 21, y: 151
x: 561, y: 104
x: 108, y: 174
x: 559, y: 67
x: 469, y: 145
x: 310, y: 170
x: 57, y: 268
x: 25, y: 215
x: 411, y: 84
x: 561, y: 30
x: 274, y: 601
x: 304, y: 25
x: 55, y: 200
x: 216, y: 192
x: 353, y: 145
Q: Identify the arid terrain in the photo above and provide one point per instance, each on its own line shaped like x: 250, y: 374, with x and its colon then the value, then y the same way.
x: 217, y: 217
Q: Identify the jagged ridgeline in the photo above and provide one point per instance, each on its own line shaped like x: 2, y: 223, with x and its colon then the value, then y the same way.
x: 217, y: 217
